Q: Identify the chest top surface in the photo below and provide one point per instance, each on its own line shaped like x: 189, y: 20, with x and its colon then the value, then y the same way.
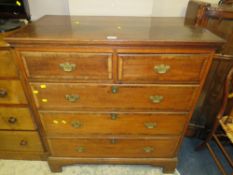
x: 2, y: 42
x: 113, y: 30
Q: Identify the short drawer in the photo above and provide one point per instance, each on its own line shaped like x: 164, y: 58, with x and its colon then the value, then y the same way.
x: 112, y: 97
x: 11, y: 92
x: 162, y: 67
x: 20, y: 141
x: 7, y: 65
x: 16, y: 119
x: 114, y: 147
x: 72, y: 65
x: 67, y: 123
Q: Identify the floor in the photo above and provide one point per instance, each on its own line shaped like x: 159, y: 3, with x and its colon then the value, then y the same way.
x: 13, y: 167
x: 190, y: 163
x: 193, y: 162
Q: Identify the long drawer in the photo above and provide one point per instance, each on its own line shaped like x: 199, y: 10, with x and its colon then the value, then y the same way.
x: 16, y: 119
x: 114, y: 147
x: 20, y: 141
x: 170, y: 68
x: 11, y: 92
x: 68, y: 123
x: 7, y: 65
x: 113, y: 97
x: 64, y: 65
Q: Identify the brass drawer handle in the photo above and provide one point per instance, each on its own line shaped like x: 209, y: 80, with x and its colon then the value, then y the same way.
x: 23, y: 142
x: 162, y: 68
x: 80, y: 149
x: 3, y: 93
x: 113, y: 141
x: 12, y: 120
x: 148, y: 149
x: 114, y: 116
x: 76, y: 124
x: 150, y: 125
x: 115, y: 89
x: 68, y: 67
x: 72, y: 98
x: 156, y: 98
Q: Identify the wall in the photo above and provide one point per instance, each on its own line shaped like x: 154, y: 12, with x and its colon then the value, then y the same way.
x: 176, y: 8
x: 110, y: 7
x: 39, y: 8
x: 130, y: 7
x: 169, y: 8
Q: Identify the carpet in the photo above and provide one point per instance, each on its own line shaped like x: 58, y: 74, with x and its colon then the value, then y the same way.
x: 19, y: 167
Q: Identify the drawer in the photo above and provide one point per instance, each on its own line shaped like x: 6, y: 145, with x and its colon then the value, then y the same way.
x: 16, y: 119
x: 7, y: 65
x: 67, y: 124
x: 63, y: 65
x: 75, y: 96
x: 20, y: 141
x: 162, y: 67
x: 114, y: 147
x: 11, y: 92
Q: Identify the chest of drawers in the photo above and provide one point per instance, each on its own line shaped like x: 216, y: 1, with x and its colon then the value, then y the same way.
x: 18, y: 132
x: 116, y: 90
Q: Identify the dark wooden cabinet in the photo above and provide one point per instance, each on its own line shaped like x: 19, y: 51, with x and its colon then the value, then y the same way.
x: 102, y: 93
x: 219, y: 20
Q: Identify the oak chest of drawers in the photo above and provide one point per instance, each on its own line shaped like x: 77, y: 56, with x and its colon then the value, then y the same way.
x: 19, y: 138
x: 116, y: 90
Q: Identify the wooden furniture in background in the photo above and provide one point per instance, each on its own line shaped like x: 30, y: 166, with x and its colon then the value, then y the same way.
x: 18, y: 132
x: 228, y: 2
x: 219, y: 20
x: 116, y: 90
x: 224, y: 120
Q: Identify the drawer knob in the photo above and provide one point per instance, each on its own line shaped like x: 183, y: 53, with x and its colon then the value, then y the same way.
x: 80, y: 149
x: 76, y: 124
x: 156, y: 98
x: 3, y: 93
x: 162, y: 68
x: 68, y: 67
x: 72, y: 98
x: 114, y: 116
x: 115, y: 89
x: 12, y: 120
x: 150, y: 125
x: 148, y: 149
x: 23, y: 142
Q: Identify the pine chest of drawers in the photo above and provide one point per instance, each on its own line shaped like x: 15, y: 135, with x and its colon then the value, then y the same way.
x: 117, y: 90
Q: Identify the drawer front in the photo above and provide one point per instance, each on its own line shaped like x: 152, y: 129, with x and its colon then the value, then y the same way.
x: 11, y: 92
x: 16, y: 119
x: 7, y: 65
x: 20, y: 141
x: 162, y: 67
x: 113, y: 148
x: 82, y: 66
x: 81, y: 96
x: 67, y: 124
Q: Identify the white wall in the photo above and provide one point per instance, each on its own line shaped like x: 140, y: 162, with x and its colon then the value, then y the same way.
x: 40, y: 8
x: 110, y: 7
x: 172, y: 8
x: 130, y: 7
x: 169, y: 8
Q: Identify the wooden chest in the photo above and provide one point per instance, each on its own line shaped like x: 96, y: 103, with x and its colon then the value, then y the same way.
x: 19, y: 138
x: 116, y: 90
